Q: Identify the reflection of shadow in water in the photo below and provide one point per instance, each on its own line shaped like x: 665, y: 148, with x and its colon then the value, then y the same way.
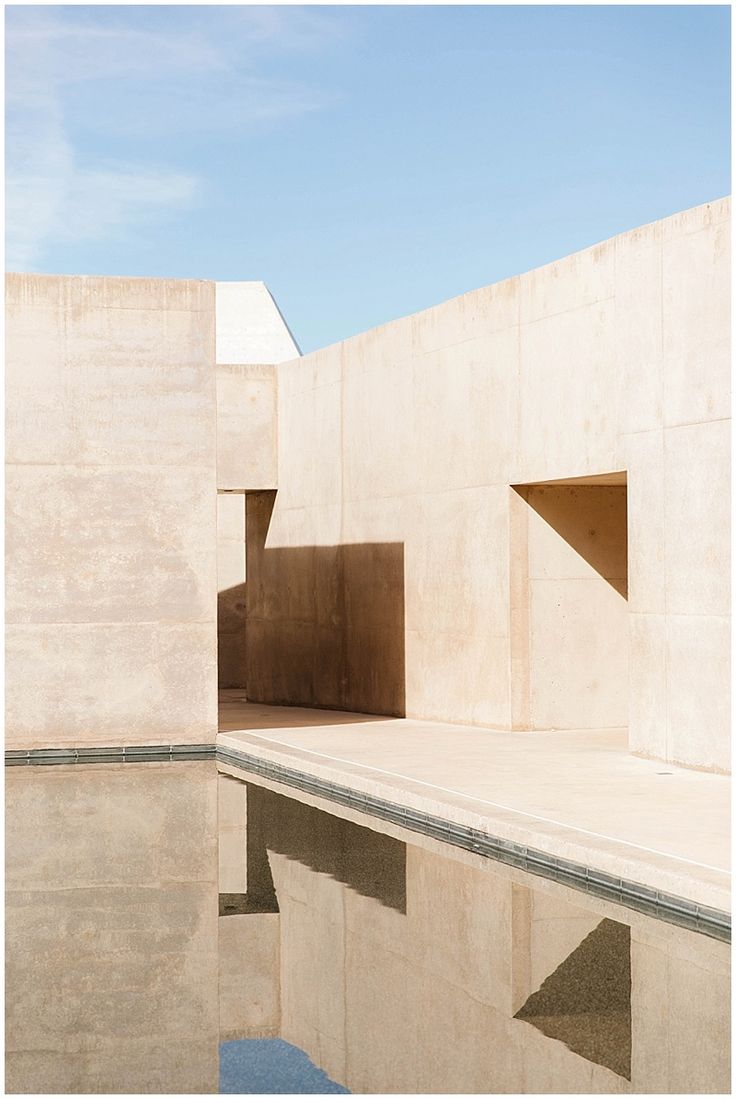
x: 368, y: 862
x: 586, y: 1002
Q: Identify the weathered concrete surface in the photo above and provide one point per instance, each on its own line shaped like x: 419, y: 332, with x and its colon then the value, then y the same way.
x: 111, y: 982
x: 614, y: 360
x: 251, y: 335
x: 402, y: 567
x: 569, y: 624
x: 246, y: 427
x: 110, y: 511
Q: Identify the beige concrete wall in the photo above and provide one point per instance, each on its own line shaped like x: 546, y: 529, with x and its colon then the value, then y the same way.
x: 251, y: 335
x: 246, y: 427
x: 569, y: 624
x: 111, y: 573
x: 246, y: 461
x: 111, y: 981
x: 613, y: 359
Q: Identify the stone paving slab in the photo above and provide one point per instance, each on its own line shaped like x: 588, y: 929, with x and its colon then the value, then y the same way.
x: 576, y: 795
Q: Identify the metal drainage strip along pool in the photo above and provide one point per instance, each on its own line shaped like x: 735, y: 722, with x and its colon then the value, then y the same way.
x: 664, y: 906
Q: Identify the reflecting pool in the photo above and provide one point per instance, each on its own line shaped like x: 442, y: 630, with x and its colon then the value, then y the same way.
x: 155, y: 911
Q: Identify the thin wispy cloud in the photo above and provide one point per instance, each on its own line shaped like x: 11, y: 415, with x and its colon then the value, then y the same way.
x: 88, y: 98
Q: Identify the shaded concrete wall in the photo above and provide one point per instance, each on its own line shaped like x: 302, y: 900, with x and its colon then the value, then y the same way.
x: 231, y: 602
x: 110, y: 511
x: 613, y: 359
x: 325, y: 623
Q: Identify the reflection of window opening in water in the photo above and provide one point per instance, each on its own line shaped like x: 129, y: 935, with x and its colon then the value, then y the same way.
x: 586, y: 1002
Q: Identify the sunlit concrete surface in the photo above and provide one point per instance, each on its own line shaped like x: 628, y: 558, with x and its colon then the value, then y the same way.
x: 110, y: 516
x: 473, y: 562
x: 574, y: 794
x: 512, y: 509
x: 508, y: 510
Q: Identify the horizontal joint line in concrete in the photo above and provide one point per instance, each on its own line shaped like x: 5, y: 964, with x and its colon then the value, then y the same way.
x: 663, y: 906
x: 174, y: 622
x: 115, y: 467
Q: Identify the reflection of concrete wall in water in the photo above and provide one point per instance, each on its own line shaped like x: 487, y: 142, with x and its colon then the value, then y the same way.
x: 111, y: 925
x: 250, y: 964
x: 424, y: 1002
x: 325, y: 623
x: 401, y: 970
x: 586, y: 1001
x: 369, y: 863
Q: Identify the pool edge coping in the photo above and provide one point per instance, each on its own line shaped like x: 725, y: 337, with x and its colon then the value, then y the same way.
x: 667, y: 907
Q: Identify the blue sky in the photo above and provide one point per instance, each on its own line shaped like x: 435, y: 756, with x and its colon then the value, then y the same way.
x: 365, y: 162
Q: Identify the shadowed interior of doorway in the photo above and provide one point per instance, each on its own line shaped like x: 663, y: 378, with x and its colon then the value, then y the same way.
x: 323, y: 625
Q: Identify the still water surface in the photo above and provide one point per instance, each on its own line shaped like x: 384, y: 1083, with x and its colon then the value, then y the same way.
x: 136, y: 945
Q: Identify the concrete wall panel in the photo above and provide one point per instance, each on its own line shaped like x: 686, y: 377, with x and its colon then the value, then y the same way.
x: 111, y: 511
x: 582, y: 368
x: 246, y: 427
x: 409, y: 436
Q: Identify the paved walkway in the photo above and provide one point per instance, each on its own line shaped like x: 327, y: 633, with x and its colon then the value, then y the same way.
x: 574, y: 794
